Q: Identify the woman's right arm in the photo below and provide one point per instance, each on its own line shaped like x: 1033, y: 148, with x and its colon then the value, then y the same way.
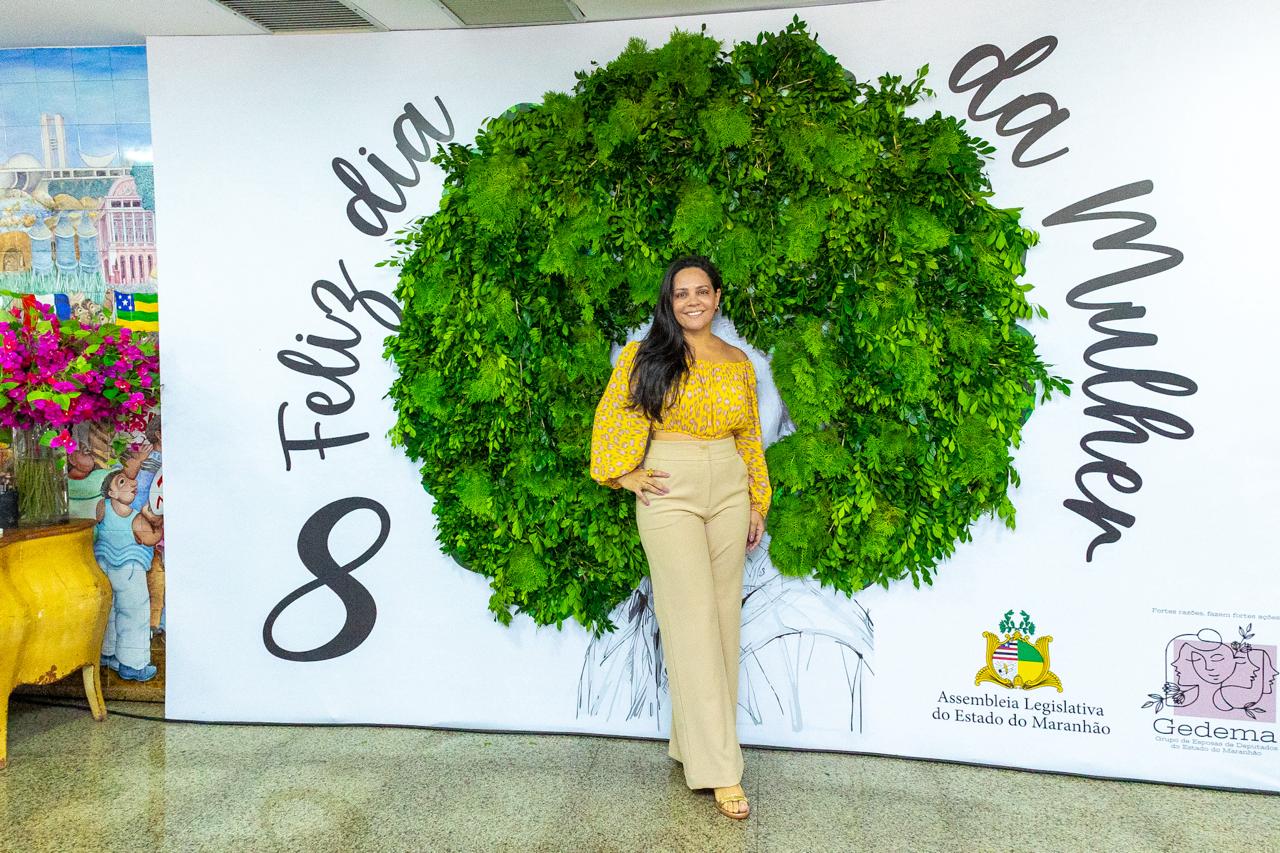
x: 619, y: 433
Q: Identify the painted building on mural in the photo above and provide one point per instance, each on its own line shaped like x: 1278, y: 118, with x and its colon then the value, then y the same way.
x: 127, y: 236
x: 70, y: 237
x: 74, y: 137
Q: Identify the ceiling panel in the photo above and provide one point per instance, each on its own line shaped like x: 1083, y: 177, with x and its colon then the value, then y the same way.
x: 75, y: 23
x: 502, y: 12
x: 303, y: 15
x: 603, y: 10
x: 407, y: 14
x: 71, y: 23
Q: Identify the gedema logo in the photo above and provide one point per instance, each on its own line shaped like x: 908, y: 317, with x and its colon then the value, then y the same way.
x: 1205, y: 676
x: 1015, y: 661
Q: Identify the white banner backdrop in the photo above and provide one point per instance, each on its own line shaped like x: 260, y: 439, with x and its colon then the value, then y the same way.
x: 1164, y: 644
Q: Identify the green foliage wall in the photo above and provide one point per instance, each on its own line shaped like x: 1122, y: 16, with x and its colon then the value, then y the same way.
x: 858, y: 248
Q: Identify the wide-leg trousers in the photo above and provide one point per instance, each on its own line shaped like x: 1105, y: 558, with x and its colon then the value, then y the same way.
x: 695, y: 538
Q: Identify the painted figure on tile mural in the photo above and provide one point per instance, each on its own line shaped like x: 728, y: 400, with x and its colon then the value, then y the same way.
x: 149, y: 488
x: 89, y: 466
x: 124, y: 546
x: 84, y: 484
x: 150, y: 467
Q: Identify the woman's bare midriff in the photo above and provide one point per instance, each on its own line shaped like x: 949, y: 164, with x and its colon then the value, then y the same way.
x: 663, y: 435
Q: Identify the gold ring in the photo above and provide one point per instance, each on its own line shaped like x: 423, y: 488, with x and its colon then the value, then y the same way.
x: 648, y: 472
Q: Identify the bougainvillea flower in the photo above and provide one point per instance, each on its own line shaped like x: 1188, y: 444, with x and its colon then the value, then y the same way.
x: 60, y: 372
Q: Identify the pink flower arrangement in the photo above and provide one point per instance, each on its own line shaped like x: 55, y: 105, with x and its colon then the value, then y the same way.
x: 54, y: 375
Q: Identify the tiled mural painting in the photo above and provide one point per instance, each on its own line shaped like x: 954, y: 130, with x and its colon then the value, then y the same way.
x: 77, y: 218
x: 75, y: 171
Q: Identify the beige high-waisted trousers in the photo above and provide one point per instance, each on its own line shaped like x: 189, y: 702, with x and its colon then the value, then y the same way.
x: 695, y: 538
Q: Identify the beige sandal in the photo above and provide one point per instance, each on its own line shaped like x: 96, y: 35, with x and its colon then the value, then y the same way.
x: 732, y: 798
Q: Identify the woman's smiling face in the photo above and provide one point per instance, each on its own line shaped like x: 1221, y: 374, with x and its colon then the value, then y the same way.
x: 693, y: 299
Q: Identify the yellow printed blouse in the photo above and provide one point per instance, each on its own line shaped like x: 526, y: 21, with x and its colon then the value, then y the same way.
x: 718, y: 399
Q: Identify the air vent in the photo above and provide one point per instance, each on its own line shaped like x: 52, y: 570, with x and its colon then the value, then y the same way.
x: 296, y: 16
x: 480, y: 13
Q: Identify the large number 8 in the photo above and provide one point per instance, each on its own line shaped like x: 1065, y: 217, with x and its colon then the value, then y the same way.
x: 313, y: 550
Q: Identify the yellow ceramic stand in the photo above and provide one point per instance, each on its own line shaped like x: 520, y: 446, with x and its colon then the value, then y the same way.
x: 54, y: 602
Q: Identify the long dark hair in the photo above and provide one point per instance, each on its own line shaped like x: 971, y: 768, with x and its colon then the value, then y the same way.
x: 663, y: 358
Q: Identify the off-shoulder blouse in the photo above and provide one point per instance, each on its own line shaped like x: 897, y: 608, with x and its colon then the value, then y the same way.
x: 718, y: 399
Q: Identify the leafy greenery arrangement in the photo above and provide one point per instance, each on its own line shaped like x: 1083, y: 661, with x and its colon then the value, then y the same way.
x: 858, y: 249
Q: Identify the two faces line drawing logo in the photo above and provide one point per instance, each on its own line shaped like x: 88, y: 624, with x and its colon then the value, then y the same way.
x: 1014, y: 660
x: 1205, y: 676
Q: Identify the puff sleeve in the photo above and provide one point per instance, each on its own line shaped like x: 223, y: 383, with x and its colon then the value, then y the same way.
x: 751, y: 449
x: 619, y: 433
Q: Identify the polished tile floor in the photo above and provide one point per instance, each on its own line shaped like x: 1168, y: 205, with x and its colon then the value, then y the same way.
x: 134, y: 785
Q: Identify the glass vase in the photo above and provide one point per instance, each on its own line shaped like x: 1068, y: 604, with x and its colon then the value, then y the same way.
x: 40, y: 475
x: 8, y: 494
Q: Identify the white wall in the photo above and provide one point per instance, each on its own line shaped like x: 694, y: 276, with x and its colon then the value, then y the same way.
x: 250, y: 214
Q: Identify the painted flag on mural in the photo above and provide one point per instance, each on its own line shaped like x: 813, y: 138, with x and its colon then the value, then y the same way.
x: 59, y: 302
x: 138, y: 311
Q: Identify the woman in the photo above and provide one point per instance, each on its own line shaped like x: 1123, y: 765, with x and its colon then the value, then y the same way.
x: 678, y: 425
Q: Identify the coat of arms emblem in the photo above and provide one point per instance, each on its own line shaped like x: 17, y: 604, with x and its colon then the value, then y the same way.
x: 1016, y: 661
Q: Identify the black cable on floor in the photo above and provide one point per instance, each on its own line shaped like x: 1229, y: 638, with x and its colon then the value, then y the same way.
x: 30, y: 700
